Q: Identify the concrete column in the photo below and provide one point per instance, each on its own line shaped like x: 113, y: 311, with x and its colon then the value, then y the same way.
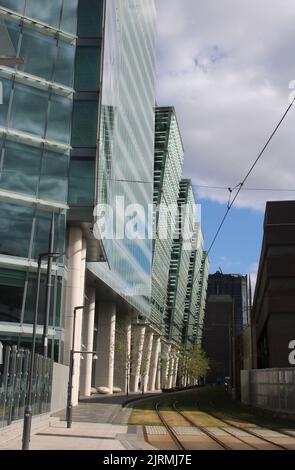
x: 138, y: 335
x: 88, y: 333
x: 76, y: 260
x: 159, y: 368
x: 122, y: 352
x: 104, y: 371
x: 147, y: 359
x: 171, y: 371
x: 165, y: 364
x: 154, y: 362
x: 175, y: 371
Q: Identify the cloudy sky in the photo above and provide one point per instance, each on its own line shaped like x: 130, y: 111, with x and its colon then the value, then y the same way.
x: 226, y: 66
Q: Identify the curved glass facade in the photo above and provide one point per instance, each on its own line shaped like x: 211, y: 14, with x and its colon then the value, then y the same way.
x: 35, y: 136
x: 126, y: 146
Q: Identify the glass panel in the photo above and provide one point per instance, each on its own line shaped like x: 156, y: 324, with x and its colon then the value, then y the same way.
x: 87, y: 69
x: 81, y: 182
x: 8, y: 277
x: 31, y: 298
x: 38, y: 53
x: 84, y: 124
x: 64, y: 68
x: 90, y: 18
x: 16, y: 5
x: 48, y: 12
x: 21, y: 168
x: 69, y: 16
x: 54, y: 173
x: 59, y: 235
x: 59, y: 123
x: 41, y: 235
x: 14, y: 33
x: 29, y: 110
x: 15, y: 229
x: 11, y: 299
x: 6, y: 89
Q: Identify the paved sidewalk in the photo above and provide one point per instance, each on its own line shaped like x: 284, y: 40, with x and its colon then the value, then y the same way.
x: 99, y: 423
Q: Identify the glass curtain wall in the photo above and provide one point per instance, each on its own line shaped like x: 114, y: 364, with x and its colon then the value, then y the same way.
x: 126, y: 145
x: 35, y: 130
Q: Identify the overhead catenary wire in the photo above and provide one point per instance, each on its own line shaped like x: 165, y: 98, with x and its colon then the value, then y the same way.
x: 239, y: 188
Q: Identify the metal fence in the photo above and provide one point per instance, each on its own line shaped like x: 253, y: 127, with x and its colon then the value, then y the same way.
x: 14, y: 372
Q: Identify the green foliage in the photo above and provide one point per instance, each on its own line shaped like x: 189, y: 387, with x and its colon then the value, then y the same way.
x: 193, y: 363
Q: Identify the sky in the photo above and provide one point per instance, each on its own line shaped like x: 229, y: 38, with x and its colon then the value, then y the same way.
x: 227, y: 66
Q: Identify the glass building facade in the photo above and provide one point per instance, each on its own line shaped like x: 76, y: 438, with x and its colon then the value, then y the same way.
x: 167, y: 174
x: 193, y: 288
x: 35, y: 137
x: 180, y: 263
x: 124, y: 167
x: 201, y: 298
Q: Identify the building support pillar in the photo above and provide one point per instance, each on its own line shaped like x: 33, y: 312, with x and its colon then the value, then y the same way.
x: 122, y: 352
x: 146, y: 364
x: 156, y: 349
x: 76, y: 263
x: 104, y: 373
x: 137, y: 350
x: 175, y: 371
x: 88, y: 333
x: 159, y: 369
x: 165, y: 364
x: 171, y: 371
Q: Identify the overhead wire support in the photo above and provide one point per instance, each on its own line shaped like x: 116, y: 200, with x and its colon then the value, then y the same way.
x: 240, y: 186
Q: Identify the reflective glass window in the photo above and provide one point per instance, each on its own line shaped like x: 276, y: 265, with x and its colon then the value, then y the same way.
x: 16, y: 5
x: 81, y: 182
x: 53, y: 180
x: 15, y: 229
x: 14, y: 33
x: 87, y: 69
x: 90, y: 18
x: 31, y: 299
x: 6, y: 89
x: 29, y: 110
x: 42, y: 231
x: 11, y: 303
x: 64, y: 67
x: 21, y: 168
x: 38, y: 53
x: 11, y: 295
x: 47, y: 12
x: 84, y: 124
x: 69, y: 16
x: 59, y: 123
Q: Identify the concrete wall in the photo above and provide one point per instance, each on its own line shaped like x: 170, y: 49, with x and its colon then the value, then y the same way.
x: 59, y: 387
x: 271, y: 389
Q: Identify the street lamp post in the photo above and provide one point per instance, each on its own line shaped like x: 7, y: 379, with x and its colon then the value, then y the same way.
x: 71, y: 371
x: 28, y: 408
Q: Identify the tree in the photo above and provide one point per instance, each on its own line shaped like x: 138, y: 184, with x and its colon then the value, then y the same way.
x: 193, y: 364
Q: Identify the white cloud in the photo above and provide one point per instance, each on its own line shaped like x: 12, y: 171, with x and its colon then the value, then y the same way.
x: 226, y: 67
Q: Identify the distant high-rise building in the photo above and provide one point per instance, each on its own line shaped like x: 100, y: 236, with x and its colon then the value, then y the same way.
x: 167, y: 174
x: 217, y: 337
x: 273, y: 313
x: 235, y: 285
x: 196, y: 291
x: 180, y: 262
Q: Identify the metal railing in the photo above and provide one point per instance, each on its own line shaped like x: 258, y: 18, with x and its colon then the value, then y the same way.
x: 14, y: 372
